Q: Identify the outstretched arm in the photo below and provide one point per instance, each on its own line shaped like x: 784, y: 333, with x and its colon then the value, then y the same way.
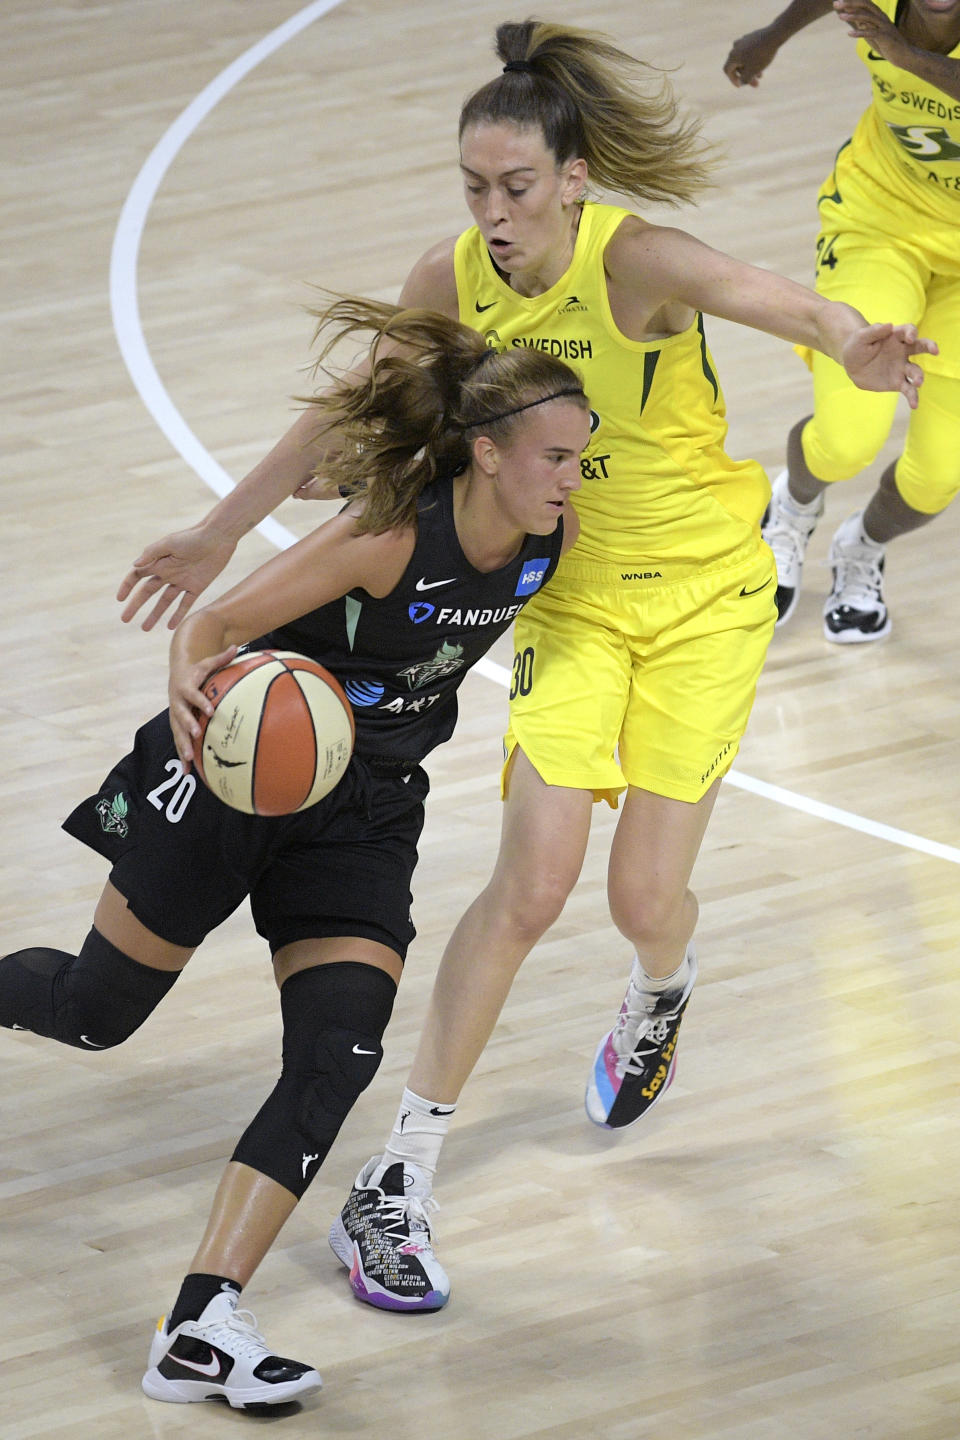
x: 652, y: 267
x: 751, y: 54
x: 174, y: 570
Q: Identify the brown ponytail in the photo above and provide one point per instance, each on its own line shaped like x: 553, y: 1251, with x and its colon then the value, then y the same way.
x: 431, y: 385
x: 582, y: 93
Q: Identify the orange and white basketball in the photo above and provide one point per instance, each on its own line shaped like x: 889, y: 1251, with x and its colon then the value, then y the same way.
x: 280, y: 737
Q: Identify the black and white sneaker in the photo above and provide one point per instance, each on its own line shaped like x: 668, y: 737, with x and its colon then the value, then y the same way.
x: 787, y: 527
x: 382, y: 1235
x: 855, y: 610
x: 223, y: 1355
x: 636, y: 1060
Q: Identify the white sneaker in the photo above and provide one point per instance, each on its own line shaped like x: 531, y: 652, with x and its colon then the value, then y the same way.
x: 855, y: 611
x: 382, y: 1235
x: 787, y: 528
x: 223, y: 1355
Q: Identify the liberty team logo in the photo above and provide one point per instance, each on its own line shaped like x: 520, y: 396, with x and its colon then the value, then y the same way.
x: 447, y: 661
x: 113, y: 815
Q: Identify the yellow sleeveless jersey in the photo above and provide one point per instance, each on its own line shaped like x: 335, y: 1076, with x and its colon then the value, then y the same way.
x: 659, y: 493
x: 909, y: 138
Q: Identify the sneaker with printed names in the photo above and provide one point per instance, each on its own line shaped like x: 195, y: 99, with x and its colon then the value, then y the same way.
x: 382, y: 1235
x: 223, y: 1356
x: 636, y: 1061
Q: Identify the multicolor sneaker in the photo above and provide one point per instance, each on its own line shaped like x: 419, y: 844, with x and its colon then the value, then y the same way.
x: 787, y: 528
x: 382, y: 1235
x: 635, y: 1062
x: 855, y: 611
x: 223, y: 1355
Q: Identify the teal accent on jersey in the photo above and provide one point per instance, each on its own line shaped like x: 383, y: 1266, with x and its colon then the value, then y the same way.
x: 352, y: 608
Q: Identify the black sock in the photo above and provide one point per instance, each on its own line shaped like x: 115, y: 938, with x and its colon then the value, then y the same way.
x: 196, y: 1292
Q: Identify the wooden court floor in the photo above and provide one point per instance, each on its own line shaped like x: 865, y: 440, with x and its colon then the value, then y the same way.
x: 773, y: 1256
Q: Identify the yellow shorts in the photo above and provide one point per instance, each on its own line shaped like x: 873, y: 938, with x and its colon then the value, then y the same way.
x: 873, y: 255
x: 633, y: 682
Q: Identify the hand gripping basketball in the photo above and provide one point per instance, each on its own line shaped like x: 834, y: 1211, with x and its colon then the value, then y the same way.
x: 280, y: 736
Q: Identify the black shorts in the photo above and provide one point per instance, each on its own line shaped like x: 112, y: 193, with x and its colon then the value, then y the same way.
x: 184, y: 861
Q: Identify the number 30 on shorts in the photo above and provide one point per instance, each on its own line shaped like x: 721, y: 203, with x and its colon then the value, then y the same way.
x: 522, y: 680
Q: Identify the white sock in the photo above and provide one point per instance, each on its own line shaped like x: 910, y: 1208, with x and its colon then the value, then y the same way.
x: 657, y: 985
x: 418, y: 1132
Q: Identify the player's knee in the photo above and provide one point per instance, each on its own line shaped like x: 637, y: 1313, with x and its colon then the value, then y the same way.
x: 94, y: 1000
x: 334, y: 1017
x: 839, y: 449
x: 927, y: 488
x: 528, y: 902
x: 654, y: 915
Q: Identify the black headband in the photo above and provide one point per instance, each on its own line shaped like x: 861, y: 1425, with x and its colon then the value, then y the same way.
x: 503, y: 414
x: 520, y: 67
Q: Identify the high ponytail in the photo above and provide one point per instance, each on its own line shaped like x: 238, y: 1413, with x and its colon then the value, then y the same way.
x: 591, y: 100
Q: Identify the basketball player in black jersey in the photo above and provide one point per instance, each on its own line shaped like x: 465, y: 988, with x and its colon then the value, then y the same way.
x: 460, y: 462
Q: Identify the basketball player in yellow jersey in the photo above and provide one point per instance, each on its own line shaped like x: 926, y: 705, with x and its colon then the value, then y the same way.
x: 889, y: 244
x: 641, y: 677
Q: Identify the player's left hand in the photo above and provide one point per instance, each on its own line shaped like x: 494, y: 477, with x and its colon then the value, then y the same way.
x: 869, y: 23
x: 879, y: 357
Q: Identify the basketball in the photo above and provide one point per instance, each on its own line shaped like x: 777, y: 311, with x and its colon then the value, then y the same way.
x: 281, y: 734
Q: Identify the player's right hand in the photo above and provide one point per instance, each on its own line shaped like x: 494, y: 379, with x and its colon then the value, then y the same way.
x: 749, y: 57
x: 175, y: 569
x: 187, y: 700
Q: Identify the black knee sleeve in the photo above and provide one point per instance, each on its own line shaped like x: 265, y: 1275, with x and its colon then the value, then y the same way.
x: 93, y: 1000
x: 334, y: 1017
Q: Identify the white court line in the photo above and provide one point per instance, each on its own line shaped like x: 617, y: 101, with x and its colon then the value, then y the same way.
x: 793, y: 801
x: 124, y: 300
x: 133, y: 347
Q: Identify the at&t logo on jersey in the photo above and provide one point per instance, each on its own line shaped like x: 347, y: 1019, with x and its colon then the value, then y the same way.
x: 532, y: 576
x: 363, y: 693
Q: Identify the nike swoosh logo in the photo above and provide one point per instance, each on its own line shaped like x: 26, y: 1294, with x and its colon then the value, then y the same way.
x: 211, y: 1368
x: 744, y: 591
x: 433, y: 584
x: 435, y: 1110
x: 358, y: 1051
x: 481, y: 308
x: 19, y: 1027
x: 227, y: 764
x: 87, y: 1041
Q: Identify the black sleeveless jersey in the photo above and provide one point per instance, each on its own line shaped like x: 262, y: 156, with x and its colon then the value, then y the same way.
x: 401, y: 659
